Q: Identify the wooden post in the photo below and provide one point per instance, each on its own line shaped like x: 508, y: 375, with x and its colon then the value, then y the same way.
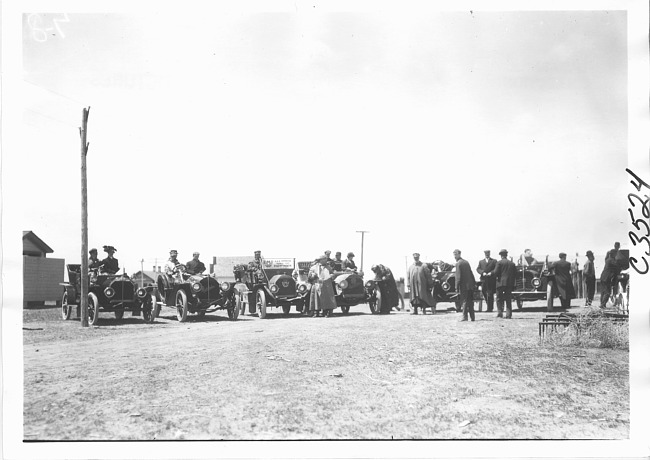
x: 84, y: 220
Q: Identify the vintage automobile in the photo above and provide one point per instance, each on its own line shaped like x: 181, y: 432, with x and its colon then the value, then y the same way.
x: 196, y: 294
x: 114, y: 293
x: 272, y: 286
x: 533, y: 282
x: 444, y: 284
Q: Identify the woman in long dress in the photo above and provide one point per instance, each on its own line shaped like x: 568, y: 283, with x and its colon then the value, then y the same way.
x: 321, y: 300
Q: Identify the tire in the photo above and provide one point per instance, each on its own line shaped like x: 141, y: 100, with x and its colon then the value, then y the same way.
x: 119, y: 314
x: 375, y: 306
x: 93, y: 309
x: 149, y: 309
x: 239, y: 305
x: 286, y: 309
x: 181, y: 306
x: 233, y: 313
x: 260, y: 303
x: 66, y: 309
x: 520, y: 304
x: 345, y: 310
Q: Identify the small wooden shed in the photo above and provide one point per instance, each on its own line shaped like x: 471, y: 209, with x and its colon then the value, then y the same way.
x: 41, y: 275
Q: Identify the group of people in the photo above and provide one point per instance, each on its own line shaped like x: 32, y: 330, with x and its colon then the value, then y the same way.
x: 174, y: 268
x: 109, y: 265
x: 499, y: 278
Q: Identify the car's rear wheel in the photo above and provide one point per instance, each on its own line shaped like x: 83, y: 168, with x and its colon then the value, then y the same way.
x: 260, y: 303
x: 181, y: 306
x: 286, y: 309
x: 345, y: 309
x: 66, y: 309
x: 93, y: 309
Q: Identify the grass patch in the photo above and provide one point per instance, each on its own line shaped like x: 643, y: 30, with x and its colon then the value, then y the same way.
x: 591, y: 329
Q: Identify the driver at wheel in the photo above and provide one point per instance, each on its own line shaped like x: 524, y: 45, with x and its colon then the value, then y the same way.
x: 172, y: 266
x: 195, y: 266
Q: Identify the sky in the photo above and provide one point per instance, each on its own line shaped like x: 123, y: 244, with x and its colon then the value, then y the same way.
x: 290, y: 131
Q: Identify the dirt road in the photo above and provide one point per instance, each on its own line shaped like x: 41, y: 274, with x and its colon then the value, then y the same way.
x: 359, y: 376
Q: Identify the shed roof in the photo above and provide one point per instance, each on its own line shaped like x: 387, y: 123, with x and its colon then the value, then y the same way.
x: 35, y: 240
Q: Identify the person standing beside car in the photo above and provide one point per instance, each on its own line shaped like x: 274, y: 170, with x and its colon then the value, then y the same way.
x: 608, y: 277
x: 110, y: 263
x: 465, y: 283
x: 505, y: 274
x: 563, y: 280
x: 589, y: 274
x: 419, y: 285
x: 321, y: 299
x: 486, y: 268
x: 195, y: 266
x: 387, y: 287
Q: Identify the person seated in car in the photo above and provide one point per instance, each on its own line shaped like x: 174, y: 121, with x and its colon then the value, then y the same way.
x: 255, y: 266
x: 527, y: 258
x: 172, y: 266
x: 348, y: 264
x: 110, y: 264
x: 338, y: 262
x: 93, y: 262
x: 195, y: 266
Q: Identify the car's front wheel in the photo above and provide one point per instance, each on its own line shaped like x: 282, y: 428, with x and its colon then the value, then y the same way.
x: 149, y: 309
x: 260, y: 303
x: 93, y: 309
x: 66, y: 309
x: 181, y: 306
x: 375, y: 304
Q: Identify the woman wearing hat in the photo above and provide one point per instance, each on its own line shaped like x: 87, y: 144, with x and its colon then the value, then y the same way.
x: 110, y: 264
x: 322, y: 290
x: 348, y: 264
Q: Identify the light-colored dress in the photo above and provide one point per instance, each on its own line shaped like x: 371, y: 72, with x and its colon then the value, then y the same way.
x: 322, y: 290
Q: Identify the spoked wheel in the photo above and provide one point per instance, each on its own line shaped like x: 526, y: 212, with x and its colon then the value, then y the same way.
x: 345, y: 309
x: 66, y: 309
x: 233, y: 312
x: 119, y: 314
x: 375, y: 305
x: 286, y: 309
x: 181, y: 306
x: 93, y: 309
x: 149, y: 309
x: 260, y: 303
x: 520, y: 304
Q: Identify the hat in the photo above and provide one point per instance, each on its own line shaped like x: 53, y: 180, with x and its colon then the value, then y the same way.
x: 457, y: 251
x: 173, y: 251
x: 93, y: 250
x: 338, y: 253
x: 503, y: 252
x: 328, y: 252
x: 562, y: 254
x: 321, y: 257
x: 487, y: 251
x: 589, y: 253
x: 258, y: 252
x: 109, y: 248
x: 195, y: 254
x: 416, y: 254
x: 350, y: 254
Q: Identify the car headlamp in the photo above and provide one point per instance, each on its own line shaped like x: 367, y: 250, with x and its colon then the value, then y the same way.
x: 343, y: 284
x: 370, y: 284
x: 274, y: 288
x: 142, y: 292
x: 109, y: 292
x: 196, y: 287
x: 445, y: 286
x: 536, y: 282
x: 225, y: 286
x: 302, y: 288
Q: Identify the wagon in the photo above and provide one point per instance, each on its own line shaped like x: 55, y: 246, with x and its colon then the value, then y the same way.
x: 195, y: 294
x: 272, y: 286
x: 108, y: 293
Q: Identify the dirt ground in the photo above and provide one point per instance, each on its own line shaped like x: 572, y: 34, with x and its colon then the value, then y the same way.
x: 358, y: 376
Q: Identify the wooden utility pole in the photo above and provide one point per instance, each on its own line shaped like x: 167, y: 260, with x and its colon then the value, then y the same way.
x: 84, y: 220
x: 363, y: 232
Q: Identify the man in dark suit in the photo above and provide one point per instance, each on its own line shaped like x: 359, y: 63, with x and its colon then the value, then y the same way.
x: 563, y: 280
x: 488, y: 282
x: 505, y: 274
x: 608, y: 277
x: 465, y: 284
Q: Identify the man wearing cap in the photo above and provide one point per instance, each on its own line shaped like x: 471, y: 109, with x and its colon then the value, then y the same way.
x: 110, y: 264
x: 465, y: 284
x: 419, y: 285
x: 505, y: 274
x: 589, y: 274
x: 486, y: 268
x: 195, y: 266
x: 171, y: 266
x: 93, y: 261
x: 563, y: 285
x: 256, y: 266
x: 337, y: 262
x: 348, y: 263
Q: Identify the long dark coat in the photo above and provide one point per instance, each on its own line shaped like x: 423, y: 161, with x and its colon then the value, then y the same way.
x: 388, y: 289
x: 505, y: 273
x: 487, y: 266
x: 420, y: 283
x: 610, y: 272
x: 465, y: 280
x: 563, y: 281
